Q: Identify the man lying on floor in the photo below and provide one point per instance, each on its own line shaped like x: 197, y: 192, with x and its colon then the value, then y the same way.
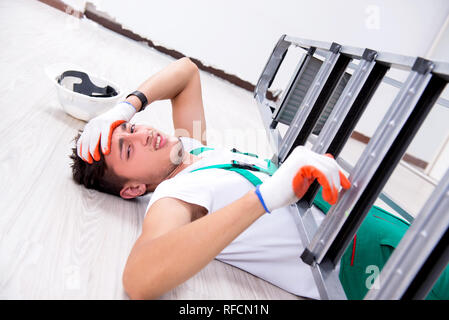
x: 209, y: 202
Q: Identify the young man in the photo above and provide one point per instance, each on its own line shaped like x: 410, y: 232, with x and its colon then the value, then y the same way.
x: 203, y: 206
x: 180, y: 234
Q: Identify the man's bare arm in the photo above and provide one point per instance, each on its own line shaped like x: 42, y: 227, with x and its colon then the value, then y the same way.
x: 179, y: 82
x: 161, y: 259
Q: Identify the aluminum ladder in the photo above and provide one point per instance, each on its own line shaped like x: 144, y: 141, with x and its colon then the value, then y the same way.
x: 322, y: 104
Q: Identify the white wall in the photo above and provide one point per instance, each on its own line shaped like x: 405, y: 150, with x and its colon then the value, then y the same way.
x: 439, y: 118
x: 238, y: 37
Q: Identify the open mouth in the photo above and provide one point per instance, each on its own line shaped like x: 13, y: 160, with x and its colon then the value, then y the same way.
x: 159, y: 141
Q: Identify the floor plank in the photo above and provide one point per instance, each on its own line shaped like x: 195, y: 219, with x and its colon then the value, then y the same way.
x: 57, y: 239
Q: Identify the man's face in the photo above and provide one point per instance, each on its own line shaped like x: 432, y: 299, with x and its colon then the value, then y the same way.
x: 143, y: 154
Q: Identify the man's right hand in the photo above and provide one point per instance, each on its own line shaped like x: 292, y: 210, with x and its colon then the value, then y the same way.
x: 99, y: 130
x: 291, y: 181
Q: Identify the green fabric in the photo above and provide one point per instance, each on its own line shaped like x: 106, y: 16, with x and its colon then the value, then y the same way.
x: 247, y: 174
x: 271, y: 167
x: 245, y: 153
x: 376, y: 239
x: 197, y: 151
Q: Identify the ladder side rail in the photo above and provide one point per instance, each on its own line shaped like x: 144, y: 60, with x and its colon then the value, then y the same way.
x: 431, y: 270
x: 264, y: 82
x: 273, y: 135
x: 308, y: 43
x: 397, y: 84
x: 429, y: 227
x: 327, y: 281
x: 394, y: 60
x: 271, y: 68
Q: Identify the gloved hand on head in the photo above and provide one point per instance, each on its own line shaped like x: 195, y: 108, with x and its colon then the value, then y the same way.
x: 99, y: 130
x: 291, y: 181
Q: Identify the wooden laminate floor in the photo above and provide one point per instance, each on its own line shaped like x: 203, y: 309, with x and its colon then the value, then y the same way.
x: 57, y: 239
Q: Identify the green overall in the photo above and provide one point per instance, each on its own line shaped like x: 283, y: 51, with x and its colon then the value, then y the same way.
x: 375, y: 241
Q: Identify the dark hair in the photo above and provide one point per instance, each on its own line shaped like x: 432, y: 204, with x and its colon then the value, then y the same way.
x: 96, y: 175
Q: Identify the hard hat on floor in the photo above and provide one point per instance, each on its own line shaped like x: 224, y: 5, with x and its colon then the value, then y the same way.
x: 81, y: 93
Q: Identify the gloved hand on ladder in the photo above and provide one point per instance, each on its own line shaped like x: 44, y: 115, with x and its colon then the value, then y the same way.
x: 291, y: 181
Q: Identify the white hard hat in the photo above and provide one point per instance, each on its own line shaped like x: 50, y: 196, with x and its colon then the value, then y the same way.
x: 82, y: 94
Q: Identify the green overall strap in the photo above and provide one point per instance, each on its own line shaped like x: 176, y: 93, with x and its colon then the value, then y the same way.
x: 243, y: 172
x: 238, y: 167
x: 244, y: 153
x: 197, y: 151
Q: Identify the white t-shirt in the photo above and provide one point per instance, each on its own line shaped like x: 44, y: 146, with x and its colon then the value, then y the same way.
x: 270, y: 248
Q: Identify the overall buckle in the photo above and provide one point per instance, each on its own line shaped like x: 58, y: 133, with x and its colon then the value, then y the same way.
x: 242, y: 165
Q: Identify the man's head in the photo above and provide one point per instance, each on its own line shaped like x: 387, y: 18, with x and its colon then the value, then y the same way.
x: 141, y: 157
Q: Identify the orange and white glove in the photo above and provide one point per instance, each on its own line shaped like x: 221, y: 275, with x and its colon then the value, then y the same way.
x: 291, y: 181
x: 99, y: 130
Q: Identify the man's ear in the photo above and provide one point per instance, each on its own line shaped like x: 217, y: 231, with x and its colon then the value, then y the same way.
x: 130, y: 191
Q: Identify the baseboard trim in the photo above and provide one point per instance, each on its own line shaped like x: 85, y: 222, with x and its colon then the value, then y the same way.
x: 407, y: 157
x: 104, y: 20
x: 58, y: 4
x: 360, y: 137
x: 91, y: 13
